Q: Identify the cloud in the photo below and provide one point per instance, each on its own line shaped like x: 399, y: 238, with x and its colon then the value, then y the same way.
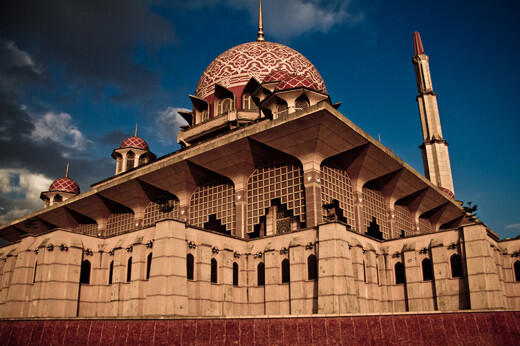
x: 513, y: 226
x: 290, y: 18
x: 59, y: 128
x: 21, y: 188
x: 169, y: 121
x: 95, y: 42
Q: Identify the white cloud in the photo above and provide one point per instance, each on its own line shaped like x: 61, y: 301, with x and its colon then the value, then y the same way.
x: 59, y: 128
x: 22, y: 188
x: 513, y: 226
x: 169, y: 121
x: 289, y: 18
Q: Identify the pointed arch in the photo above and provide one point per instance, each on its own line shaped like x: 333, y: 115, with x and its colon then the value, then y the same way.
x: 148, y: 265
x: 235, y: 274
x: 427, y: 269
x: 286, y: 271
x: 312, y: 267
x: 456, y: 266
x: 260, y: 271
x: 129, y: 270
x: 214, y: 271
x: 110, y: 272
x: 130, y: 160
x: 302, y: 102
x: 400, y: 276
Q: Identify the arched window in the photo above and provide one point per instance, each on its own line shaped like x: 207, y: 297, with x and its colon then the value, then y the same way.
x: 204, y: 115
x: 130, y: 158
x: 282, y: 108
x: 286, y: 271
x: 302, y: 102
x: 110, y: 272
x: 235, y: 274
x: 142, y: 160
x: 456, y: 266
x: 214, y: 267
x: 248, y: 103
x: 261, y: 274
x: 312, y: 267
x: 84, y: 276
x: 119, y: 161
x: 400, y: 276
x: 35, y: 268
x: 148, y: 265
x: 517, y: 271
x: 224, y: 106
x: 129, y: 270
x: 364, y: 271
x: 427, y: 269
x: 58, y: 198
x: 189, y: 266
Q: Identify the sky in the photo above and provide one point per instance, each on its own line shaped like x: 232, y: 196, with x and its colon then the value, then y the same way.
x: 76, y: 76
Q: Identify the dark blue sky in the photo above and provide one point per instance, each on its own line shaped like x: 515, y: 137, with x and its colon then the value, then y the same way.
x: 76, y: 76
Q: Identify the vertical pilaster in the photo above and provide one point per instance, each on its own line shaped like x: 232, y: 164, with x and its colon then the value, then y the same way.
x: 298, y: 277
x: 272, y: 282
x: 312, y: 184
x: 226, y: 257
x: 413, y: 279
x: 483, y: 281
x: 336, y: 283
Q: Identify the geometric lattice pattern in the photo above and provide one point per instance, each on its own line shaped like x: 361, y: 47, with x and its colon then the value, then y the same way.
x: 374, y: 206
x: 87, y: 229
x: 425, y: 226
x: 237, y: 65
x: 120, y: 223
x: 214, y: 198
x: 403, y: 222
x: 153, y: 212
x: 135, y: 142
x: 294, y: 81
x: 275, y: 180
x: 65, y: 184
x: 335, y: 184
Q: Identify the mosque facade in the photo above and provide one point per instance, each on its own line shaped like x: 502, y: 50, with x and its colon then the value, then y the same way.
x: 276, y: 204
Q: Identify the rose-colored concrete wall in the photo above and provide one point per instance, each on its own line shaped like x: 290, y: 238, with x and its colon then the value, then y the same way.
x: 355, y: 273
x: 489, y: 328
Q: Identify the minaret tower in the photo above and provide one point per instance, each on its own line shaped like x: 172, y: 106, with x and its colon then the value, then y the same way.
x: 434, y: 148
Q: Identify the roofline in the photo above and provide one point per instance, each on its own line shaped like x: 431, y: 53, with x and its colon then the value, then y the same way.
x: 233, y: 136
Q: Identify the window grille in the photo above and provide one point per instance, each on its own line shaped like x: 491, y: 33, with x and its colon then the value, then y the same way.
x: 275, y: 180
x: 336, y: 185
x: 153, y: 212
x: 88, y: 229
x: 374, y: 206
x: 403, y: 221
x: 425, y: 226
x: 213, y: 198
x: 120, y: 223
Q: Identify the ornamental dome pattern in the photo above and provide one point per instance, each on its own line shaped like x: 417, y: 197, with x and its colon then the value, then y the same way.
x: 65, y: 184
x: 236, y: 66
x: 296, y: 82
x: 135, y: 142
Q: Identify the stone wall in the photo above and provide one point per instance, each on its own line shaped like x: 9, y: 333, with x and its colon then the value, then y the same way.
x: 481, y: 328
x: 356, y: 274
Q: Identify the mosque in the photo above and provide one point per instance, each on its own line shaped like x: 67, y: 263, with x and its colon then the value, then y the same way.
x: 276, y: 205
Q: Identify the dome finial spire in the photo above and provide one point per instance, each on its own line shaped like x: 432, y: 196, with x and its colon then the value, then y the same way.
x: 67, y: 170
x: 135, y: 133
x: 260, y: 36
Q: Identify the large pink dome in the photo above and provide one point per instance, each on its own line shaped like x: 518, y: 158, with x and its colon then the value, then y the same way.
x: 236, y: 66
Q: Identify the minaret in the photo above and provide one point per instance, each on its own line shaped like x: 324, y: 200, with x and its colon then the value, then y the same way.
x: 434, y: 148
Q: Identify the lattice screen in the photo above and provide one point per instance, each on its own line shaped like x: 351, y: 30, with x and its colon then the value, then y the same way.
x: 403, y: 221
x: 425, y: 226
x: 374, y: 206
x: 120, y: 223
x: 152, y: 213
x: 213, y: 198
x: 88, y: 229
x: 275, y: 180
x: 335, y: 184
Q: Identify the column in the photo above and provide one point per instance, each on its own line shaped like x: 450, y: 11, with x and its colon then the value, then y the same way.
x: 313, y: 205
x: 483, y: 280
x: 298, y: 302
x: 166, y: 290
x: 413, y: 278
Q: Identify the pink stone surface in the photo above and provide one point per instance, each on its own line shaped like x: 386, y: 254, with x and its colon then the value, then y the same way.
x: 476, y: 328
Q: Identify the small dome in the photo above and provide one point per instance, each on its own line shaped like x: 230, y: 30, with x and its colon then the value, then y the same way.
x: 236, y: 66
x: 65, y: 184
x: 292, y: 81
x: 135, y: 142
